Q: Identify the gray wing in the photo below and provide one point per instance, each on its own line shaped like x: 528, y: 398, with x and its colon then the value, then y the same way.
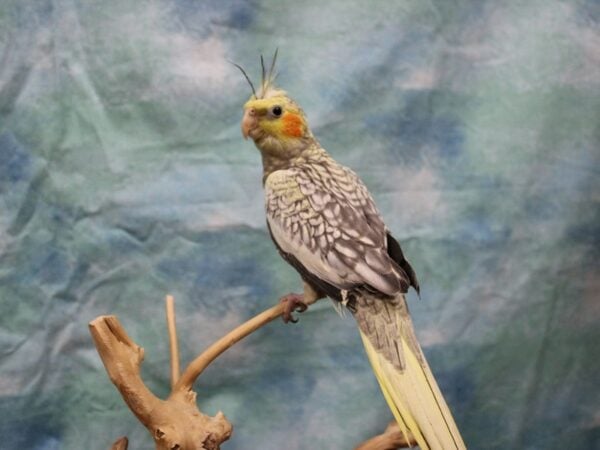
x: 324, y: 216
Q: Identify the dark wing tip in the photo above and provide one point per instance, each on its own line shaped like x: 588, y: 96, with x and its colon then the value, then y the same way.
x: 395, y: 252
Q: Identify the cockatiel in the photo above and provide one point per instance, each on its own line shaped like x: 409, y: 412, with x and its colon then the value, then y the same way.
x: 325, y: 224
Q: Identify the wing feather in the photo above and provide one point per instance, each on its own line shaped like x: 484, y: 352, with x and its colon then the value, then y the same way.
x: 323, y: 215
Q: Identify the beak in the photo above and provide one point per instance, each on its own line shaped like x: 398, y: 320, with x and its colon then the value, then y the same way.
x: 249, y: 121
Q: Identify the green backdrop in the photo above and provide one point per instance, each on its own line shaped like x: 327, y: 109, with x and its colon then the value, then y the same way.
x: 123, y: 177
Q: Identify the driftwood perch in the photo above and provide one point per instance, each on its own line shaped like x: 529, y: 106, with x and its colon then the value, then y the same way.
x: 120, y: 444
x: 176, y: 423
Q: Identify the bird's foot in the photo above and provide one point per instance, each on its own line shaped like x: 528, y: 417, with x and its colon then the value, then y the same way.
x: 292, y: 303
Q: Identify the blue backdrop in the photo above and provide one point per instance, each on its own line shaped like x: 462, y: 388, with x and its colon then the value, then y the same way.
x: 124, y: 177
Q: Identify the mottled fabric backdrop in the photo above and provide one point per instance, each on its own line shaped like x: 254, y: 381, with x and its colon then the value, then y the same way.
x: 124, y: 177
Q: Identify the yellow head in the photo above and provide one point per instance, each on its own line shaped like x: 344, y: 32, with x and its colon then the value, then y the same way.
x: 275, y: 116
x: 275, y: 122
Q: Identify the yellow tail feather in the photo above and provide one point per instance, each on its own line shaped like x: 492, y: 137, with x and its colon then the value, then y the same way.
x: 415, y: 400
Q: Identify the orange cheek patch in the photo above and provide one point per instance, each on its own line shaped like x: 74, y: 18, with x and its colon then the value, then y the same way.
x: 292, y: 125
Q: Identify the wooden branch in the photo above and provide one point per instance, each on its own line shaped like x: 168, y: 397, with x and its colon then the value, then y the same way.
x: 175, y: 423
x: 122, y: 359
x: 120, y: 444
x: 391, y: 439
x: 173, y: 345
x: 197, y: 366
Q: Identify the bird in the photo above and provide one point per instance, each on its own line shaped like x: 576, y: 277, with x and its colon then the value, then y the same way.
x: 325, y: 224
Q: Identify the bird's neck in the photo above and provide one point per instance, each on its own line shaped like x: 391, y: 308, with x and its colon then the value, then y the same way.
x: 274, y: 160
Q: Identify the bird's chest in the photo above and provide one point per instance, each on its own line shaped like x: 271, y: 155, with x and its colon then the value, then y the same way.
x: 286, y: 200
x: 290, y: 214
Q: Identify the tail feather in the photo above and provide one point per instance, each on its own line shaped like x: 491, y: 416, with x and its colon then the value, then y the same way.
x: 409, y: 388
x: 405, y: 419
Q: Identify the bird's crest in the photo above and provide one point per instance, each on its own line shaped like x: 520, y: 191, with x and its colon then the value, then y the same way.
x: 267, y: 87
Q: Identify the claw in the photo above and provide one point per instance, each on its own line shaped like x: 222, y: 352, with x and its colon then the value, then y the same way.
x: 301, y: 307
x: 292, y: 303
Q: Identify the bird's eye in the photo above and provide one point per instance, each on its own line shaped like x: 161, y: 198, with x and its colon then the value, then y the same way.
x: 277, y: 111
